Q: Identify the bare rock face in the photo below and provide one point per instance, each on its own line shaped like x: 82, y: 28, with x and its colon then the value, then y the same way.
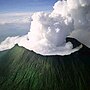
x: 21, y: 69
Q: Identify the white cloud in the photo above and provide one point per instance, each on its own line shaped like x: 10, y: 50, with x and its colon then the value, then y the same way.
x: 49, y: 30
x: 9, y: 43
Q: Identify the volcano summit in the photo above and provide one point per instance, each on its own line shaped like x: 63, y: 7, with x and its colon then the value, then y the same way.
x: 47, y: 58
x: 21, y: 69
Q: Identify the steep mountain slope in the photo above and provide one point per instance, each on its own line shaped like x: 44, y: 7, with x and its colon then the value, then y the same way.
x: 21, y: 69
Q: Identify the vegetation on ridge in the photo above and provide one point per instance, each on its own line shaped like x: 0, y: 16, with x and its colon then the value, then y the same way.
x: 21, y: 69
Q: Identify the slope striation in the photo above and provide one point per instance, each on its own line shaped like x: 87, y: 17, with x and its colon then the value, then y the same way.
x: 21, y: 69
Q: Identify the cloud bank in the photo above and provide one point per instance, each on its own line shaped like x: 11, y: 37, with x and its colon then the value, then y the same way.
x: 48, y: 31
x: 16, y: 18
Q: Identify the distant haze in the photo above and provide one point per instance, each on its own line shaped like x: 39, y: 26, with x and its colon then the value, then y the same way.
x: 13, y: 24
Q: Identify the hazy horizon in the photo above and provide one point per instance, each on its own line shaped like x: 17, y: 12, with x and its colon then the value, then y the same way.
x: 15, y: 15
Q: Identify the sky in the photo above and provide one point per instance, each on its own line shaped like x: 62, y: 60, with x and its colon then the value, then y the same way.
x: 26, y: 5
x: 15, y: 15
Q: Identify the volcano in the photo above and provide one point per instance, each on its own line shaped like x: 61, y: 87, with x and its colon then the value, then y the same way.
x: 21, y: 69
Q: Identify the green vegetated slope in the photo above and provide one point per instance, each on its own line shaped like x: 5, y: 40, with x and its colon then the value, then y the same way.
x: 21, y: 69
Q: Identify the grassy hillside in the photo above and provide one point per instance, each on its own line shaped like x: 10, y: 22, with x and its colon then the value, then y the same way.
x: 21, y: 69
